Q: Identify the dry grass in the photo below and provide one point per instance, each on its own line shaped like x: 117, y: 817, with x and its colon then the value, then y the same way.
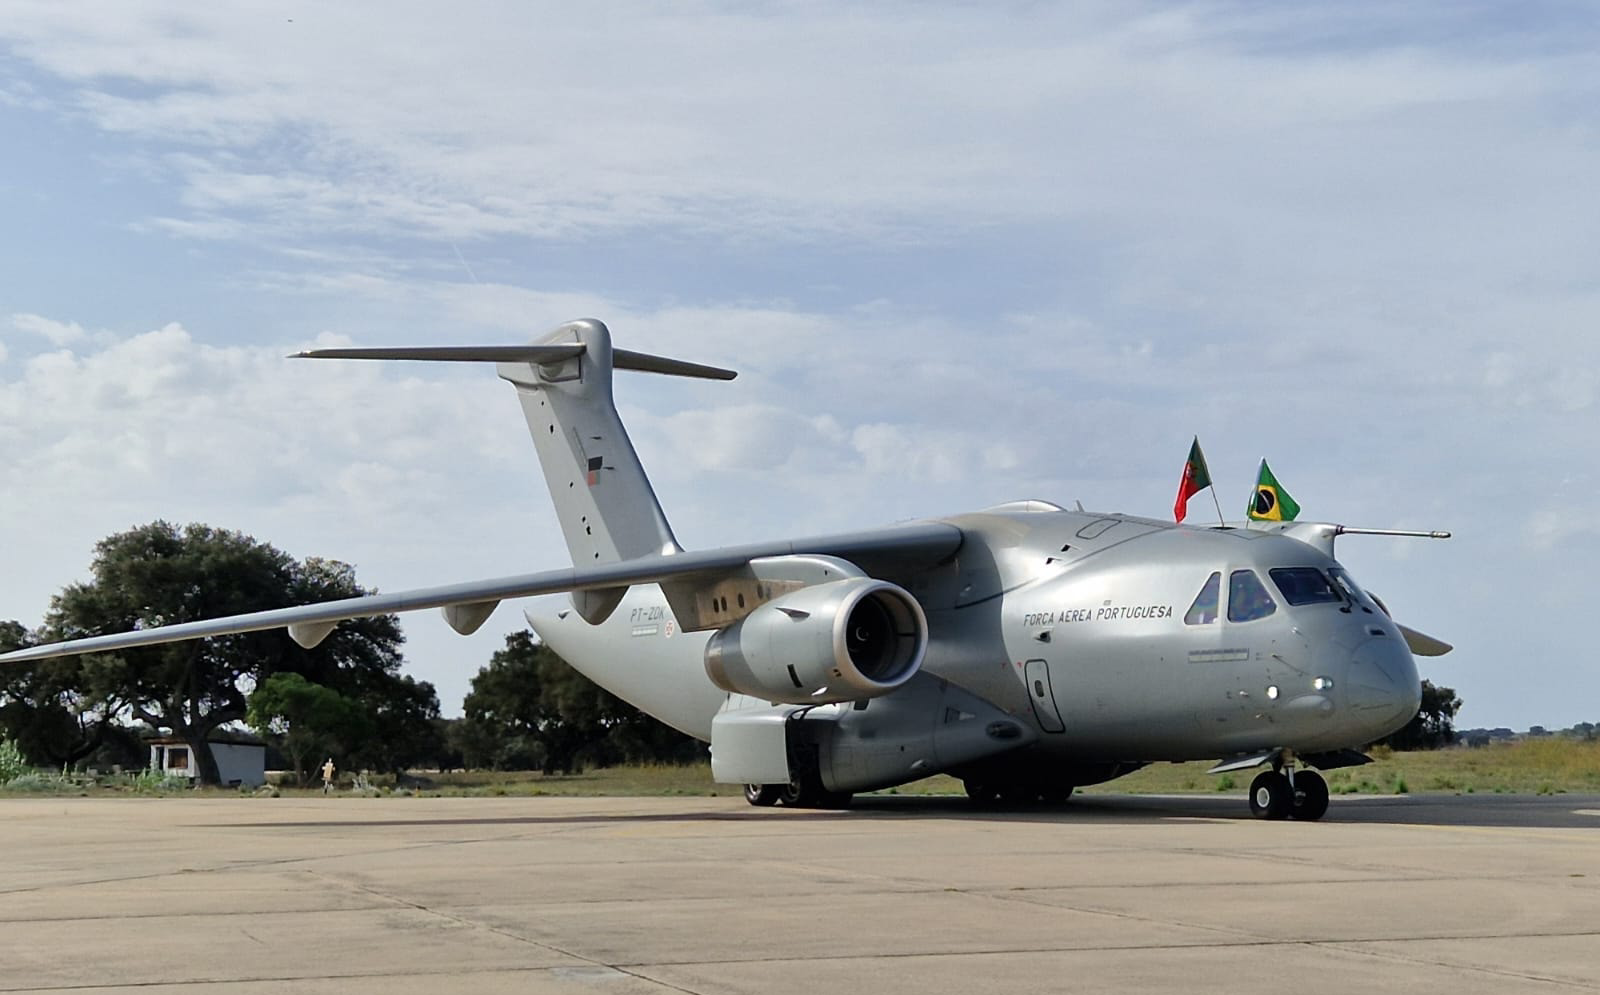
x: 1536, y: 766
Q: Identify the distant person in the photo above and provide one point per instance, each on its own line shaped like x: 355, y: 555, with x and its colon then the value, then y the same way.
x: 327, y: 775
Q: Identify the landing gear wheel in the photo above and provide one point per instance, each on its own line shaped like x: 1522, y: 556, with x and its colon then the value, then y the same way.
x: 809, y: 793
x: 794, y: 794
x: 1270, y: 795
x: 1310, y: 796
x: 981, y: 792
x: 762, y: 794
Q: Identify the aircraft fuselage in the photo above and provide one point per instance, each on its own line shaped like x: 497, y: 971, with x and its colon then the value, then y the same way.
x: 1095, y: 632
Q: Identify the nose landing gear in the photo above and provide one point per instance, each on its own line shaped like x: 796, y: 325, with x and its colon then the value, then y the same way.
x: 1301, y: 795
x: 1310, y: 796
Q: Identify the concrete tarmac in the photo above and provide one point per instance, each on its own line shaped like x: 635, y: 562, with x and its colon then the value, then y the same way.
x: 707, y: 895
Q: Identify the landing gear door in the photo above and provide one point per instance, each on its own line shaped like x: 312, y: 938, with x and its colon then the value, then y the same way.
x: 749, y: 742
x: 1037, y: 673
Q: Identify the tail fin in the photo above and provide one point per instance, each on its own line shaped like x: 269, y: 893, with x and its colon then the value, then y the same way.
x: 607, y: 509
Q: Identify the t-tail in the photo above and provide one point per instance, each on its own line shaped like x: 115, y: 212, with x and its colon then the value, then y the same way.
x: 607, y: 508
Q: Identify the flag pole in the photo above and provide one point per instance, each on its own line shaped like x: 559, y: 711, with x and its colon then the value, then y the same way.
x: 1223, y: 522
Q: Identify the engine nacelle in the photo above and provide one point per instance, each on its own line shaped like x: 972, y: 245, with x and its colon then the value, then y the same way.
x: 840, y: 641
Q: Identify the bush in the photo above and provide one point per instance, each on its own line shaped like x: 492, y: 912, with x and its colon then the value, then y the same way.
x: 40, y: 784
x: 12, y: 765
x: 154, y: 782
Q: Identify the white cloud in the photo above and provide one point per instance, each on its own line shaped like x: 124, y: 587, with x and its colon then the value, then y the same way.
x: 59, y: 333
x: 831, y: 120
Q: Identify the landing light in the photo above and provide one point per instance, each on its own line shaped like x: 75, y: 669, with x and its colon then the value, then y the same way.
x: 1272, y: 692
x: 1322, y: 683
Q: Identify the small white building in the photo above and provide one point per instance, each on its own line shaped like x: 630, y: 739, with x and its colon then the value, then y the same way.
x: 241, y: 758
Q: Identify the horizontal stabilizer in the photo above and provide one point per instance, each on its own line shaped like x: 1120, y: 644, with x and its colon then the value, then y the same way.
x: 541, y: 355
x: 627, y: 359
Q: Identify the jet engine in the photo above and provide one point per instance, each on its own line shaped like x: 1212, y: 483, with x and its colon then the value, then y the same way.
x: 840, y: 641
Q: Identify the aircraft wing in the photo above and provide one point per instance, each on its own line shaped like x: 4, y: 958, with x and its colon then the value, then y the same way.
x: 912, y: 544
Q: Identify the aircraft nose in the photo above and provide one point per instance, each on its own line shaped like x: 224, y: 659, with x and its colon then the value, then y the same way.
x: 1382, y: 685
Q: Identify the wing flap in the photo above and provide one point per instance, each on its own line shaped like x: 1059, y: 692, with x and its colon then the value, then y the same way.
x: 914, y: 543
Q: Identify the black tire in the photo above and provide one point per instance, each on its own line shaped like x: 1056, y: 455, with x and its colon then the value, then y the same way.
x: 1310, y: 796
x: 1270, y: 796
x: 1056, y: 794
x: 808, y: 792
x: 981, y: 792
x: 762, y: 794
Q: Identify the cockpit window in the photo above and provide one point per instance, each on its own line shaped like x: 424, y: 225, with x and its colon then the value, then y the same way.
x: 1204, y: 609
x: 1351, y: 589
x: 1248, y: 600
x: 1304, y: 585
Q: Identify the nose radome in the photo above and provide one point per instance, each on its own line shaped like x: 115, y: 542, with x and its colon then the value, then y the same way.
x: 1383, y: 688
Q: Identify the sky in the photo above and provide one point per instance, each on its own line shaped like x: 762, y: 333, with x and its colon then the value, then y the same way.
x: 960, y: 254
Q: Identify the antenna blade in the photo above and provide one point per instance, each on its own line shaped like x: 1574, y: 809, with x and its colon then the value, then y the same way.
x: 539, y: 354
x: 626, y: 359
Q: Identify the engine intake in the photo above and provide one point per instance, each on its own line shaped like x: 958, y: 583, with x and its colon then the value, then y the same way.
x: 840, y: 641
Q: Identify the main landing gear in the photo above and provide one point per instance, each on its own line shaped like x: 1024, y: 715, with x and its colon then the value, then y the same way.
x: 801, y: 792
x: 1301, y: 794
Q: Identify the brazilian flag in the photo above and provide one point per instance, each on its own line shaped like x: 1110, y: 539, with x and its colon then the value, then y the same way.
x: 1271, y: 503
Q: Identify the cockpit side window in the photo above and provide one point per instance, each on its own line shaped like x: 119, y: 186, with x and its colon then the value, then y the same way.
x: 1248, y: 599
x: 1352, y: 590
x: 1204, y: 609
x: 1304, y: 586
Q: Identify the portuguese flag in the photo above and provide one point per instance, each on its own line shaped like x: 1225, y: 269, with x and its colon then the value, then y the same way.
x: 1271, y: 503
x: 1196, y: 478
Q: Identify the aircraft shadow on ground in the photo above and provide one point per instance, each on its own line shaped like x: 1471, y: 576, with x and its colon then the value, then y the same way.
x: 1518, y: 811
x: 1514, y: 811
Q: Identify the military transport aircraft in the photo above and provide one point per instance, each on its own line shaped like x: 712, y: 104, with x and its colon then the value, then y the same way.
x: 1025, y: 649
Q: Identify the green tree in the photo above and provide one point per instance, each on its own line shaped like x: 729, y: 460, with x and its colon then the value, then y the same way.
x: 55, y: 710
x: 504, y: 714
x: 43, y: 712
x: 1434, y: 724
x: 159, y: 574
x: 306, y: 720
x: 14, y: 636
x: 528, y: 708
x: 404, y: 713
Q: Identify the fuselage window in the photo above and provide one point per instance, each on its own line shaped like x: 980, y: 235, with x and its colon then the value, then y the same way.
x: 1204, y: 609
x: 1248, y: 599
x: 1304, y: 585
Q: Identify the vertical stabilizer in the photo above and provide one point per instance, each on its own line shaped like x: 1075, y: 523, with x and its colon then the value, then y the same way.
x: 607, y: 509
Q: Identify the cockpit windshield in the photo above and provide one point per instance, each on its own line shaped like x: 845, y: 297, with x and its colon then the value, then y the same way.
x: 1248, y: 599
x: 1304, y: 586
